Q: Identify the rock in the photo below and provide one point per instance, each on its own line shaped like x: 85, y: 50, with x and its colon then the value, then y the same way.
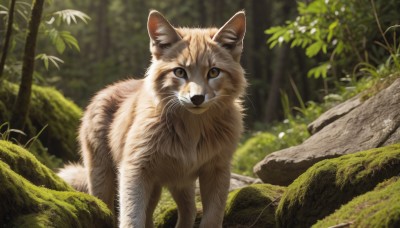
x: 330, y: 183
x: 25, y: 164
x: 48, y: 107
x: 240, y: 181
x: 237, y: 181
x: 333, y: 114
x: 393, y: 138
x: 378, y: 208
x: 33, y: 196
x: 253, y: 205
x: 370, y: 125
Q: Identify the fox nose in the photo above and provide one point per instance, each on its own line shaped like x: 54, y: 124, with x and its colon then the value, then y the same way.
x: 197, y: 99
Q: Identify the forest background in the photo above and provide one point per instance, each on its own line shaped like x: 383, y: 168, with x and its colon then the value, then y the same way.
x: 312, y: 56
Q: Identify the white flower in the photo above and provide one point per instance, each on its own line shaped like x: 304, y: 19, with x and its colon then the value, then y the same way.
x: 281, y: 134
x: 302, y: 29
x: 313, y: 23
x: 313, y: 30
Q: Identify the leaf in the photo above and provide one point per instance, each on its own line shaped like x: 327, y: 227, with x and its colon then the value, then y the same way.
x: 17, y: 131
x: 70, y: 40
x: 331, y: 29
x: 321, y: 70
x: 339, y: 48
x: 54, y: 60
x: 60, y: 44
x: 61, y: 39
x: 69, y: 15
x: 49, y: 58
x: 314, y: 48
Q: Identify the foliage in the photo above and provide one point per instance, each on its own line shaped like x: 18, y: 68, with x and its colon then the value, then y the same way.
x: 293, y: 130
x: 34, y: 196
x: 330, y: 183
x: 53, y: 28
x: 343, y: 31
x: 277, y: 136
x: 252, y: 151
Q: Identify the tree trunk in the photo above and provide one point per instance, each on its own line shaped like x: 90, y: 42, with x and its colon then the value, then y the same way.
x: 260, y: 20
x: 21, y: 106
x: 272, y: 106
x: 272, y: 109
x: 7, y: 38
x: 103, y: 30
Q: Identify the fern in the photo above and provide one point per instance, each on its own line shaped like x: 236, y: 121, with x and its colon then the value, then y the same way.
x: 49, y: 59
x: 70, y: 15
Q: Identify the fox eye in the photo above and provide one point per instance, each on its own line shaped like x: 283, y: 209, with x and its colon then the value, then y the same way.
x: 213, y: 72
x: 180, y: 72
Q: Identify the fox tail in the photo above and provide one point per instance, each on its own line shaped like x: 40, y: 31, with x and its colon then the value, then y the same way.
x: 75, y: 175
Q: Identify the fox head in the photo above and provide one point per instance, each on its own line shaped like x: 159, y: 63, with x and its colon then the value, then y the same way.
x: 196, y: 69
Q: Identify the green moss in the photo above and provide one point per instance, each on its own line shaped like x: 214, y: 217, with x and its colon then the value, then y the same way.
x: 331, y: 183
x: 166, y: 213
x: 33, y: 196
x: 48, y: 107
x: 25, y: 164
x: 378, y: 208
x: 252, y: 151
x: 62, y: 117
x: 253, y: 206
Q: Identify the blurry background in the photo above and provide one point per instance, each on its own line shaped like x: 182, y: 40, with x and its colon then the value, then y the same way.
x: 114, y: 45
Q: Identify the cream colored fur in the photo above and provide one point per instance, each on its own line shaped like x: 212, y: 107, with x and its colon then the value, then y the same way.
x: 140, y: 135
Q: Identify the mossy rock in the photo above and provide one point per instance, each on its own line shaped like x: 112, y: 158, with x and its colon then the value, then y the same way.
x: 252, y: 151
x: 48, y: 107
x: 377, y: 208
x: 33, y: 196
x: 333, y: 182
x: 25, y: 164
x: 253, y: 205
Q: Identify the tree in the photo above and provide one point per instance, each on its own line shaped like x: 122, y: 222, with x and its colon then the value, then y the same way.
x: 21, y: 106
x: 7, y: 37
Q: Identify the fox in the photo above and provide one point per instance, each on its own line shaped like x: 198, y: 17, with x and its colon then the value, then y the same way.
x: 180, y: 123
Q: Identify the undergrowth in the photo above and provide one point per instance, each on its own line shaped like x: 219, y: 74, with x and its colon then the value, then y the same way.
x: 293, y: 131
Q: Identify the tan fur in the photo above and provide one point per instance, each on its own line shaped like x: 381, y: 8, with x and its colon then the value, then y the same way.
x: 139, y: 135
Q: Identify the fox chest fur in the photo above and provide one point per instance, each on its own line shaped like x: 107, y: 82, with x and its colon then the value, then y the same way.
x: 173, y: 146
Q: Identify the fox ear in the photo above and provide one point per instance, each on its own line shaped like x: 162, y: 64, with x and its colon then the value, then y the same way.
x: 162, y: 34
x: 230, y: 36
